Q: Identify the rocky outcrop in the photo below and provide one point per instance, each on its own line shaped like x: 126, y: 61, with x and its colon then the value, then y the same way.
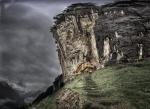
x: 75, y: 38
x: 122, y: 27
x: 69, y: 100
x: 89, y: 37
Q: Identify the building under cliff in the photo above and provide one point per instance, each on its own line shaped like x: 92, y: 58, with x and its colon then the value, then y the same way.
x: 89, y: 37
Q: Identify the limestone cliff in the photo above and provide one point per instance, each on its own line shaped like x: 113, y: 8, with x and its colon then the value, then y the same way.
x: 88, y: 37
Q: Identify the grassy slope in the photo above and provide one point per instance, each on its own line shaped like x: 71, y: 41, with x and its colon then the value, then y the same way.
x: 115, y: 87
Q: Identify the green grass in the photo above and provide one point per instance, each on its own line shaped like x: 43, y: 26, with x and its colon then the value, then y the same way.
x: 48, y: 103
x: 122, y: 86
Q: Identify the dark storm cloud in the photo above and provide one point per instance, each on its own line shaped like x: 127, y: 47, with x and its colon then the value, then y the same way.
x: 29, y: 60
x: 54, y: 1
x: 67, y: 1
x: 79, y: 1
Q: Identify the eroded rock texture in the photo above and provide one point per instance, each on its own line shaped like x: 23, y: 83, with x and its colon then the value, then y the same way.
x: 89, y: 37
x: 122, y: 30
x: 75, y: 38
x: 69, y: 100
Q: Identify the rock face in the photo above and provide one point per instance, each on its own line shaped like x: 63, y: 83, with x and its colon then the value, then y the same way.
x: 69, y: 100
x: 89, y: 37
x: 75, y: 38
x: 122, y: 31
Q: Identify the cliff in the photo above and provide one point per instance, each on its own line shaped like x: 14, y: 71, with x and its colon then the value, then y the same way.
x: 89, y: 37
x: 75, y: 38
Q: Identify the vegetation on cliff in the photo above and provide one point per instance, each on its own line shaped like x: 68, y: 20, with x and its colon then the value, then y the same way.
x: 89, y: 38
x: 121, y: 86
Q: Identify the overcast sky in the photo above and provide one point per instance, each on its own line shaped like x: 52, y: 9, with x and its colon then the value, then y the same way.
x: 28, y: 54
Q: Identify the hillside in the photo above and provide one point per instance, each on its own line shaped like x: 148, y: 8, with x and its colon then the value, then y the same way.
x: 120, y: 86
x: 100, y: 49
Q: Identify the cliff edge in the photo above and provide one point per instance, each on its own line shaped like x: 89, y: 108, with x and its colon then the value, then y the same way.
x: 89, y: 37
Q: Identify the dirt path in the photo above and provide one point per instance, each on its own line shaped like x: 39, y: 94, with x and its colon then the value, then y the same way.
x: 96, y: 99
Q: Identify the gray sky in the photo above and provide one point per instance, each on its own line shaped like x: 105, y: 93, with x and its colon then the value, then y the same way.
x: 29, y: 60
